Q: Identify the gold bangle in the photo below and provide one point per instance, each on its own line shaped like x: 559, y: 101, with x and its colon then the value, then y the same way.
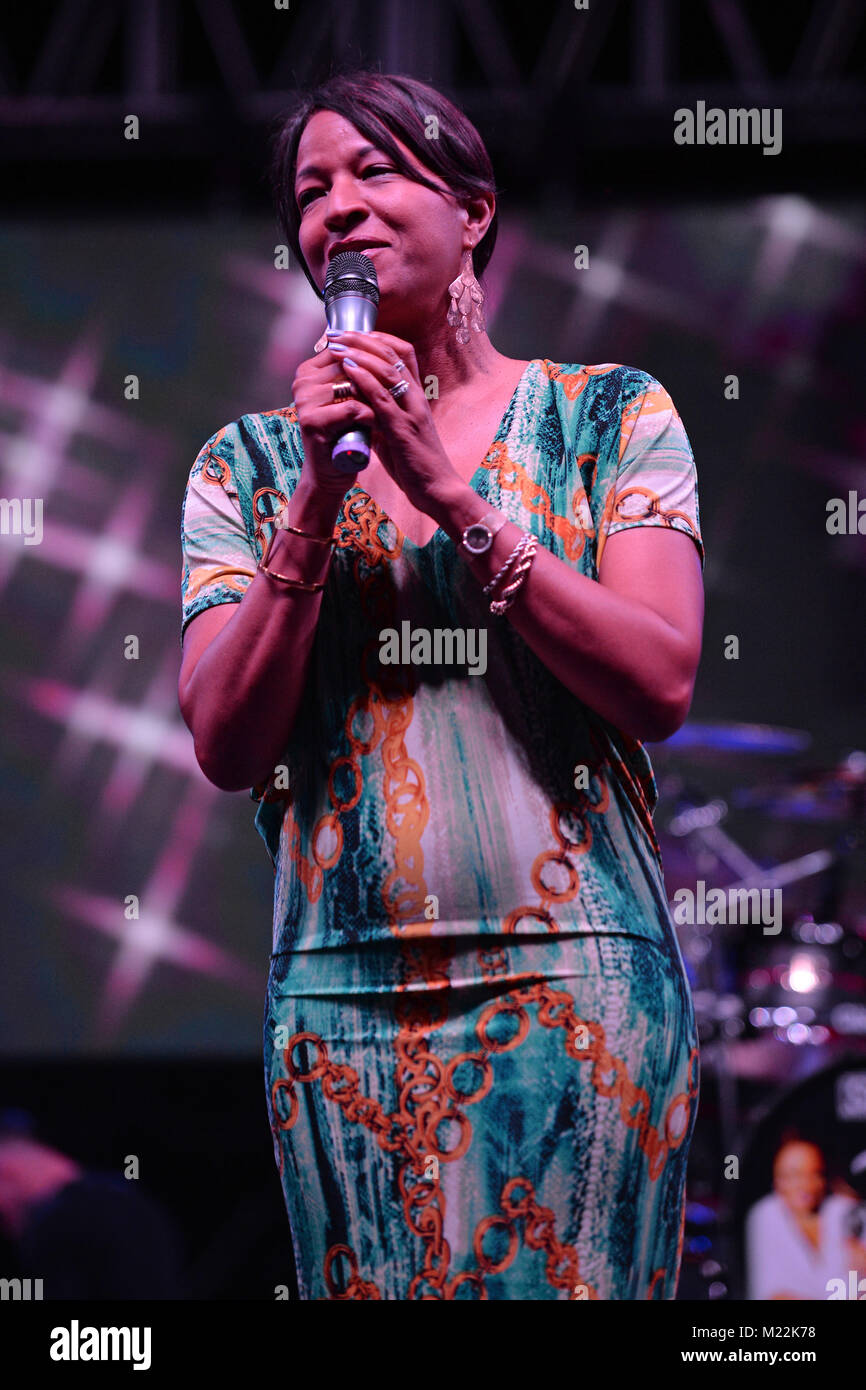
x: 324, y: 540
x: 293, y: 583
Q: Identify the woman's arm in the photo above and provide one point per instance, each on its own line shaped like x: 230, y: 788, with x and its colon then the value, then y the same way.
x: 629, y: 645
x: 243, y: 671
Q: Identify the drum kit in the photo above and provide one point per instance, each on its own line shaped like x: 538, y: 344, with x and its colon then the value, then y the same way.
x: 779, y: 995
x: 800, y: 981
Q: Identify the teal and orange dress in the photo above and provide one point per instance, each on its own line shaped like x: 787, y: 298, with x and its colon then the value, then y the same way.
x: 481, y: 1061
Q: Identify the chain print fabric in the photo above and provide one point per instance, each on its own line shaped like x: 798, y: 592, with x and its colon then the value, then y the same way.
x: 481, y: 1060
x: 520, y: 1139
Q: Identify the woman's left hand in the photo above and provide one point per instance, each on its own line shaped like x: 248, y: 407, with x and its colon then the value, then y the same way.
x: 405, y: 438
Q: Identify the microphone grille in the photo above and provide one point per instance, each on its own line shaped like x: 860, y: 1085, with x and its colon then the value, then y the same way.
x: 351, y: 272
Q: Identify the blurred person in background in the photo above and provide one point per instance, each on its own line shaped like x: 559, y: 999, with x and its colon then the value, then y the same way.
x: 799, y: 1238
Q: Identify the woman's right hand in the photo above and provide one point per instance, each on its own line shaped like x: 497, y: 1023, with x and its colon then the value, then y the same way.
x: 323, y: 420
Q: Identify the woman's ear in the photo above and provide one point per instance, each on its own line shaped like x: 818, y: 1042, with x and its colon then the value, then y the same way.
x: 479, y: 214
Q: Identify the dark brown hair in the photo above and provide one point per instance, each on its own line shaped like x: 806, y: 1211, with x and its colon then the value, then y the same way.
x: 380, y: 106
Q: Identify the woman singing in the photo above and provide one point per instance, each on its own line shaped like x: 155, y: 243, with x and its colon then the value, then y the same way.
x: 434, y: 675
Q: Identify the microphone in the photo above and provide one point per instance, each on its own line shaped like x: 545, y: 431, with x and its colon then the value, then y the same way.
x: 351, y: 298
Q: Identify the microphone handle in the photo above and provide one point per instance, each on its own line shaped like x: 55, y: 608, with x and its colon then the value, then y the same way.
x: 352, y: 313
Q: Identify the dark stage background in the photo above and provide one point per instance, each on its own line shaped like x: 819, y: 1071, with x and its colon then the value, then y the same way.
x: 156, y: 258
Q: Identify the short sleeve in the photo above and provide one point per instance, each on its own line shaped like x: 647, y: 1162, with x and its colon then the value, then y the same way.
x: 656, y: 481
x: 218, y: 561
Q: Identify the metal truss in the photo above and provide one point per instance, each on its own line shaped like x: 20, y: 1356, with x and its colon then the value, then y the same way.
x: 175, y: 63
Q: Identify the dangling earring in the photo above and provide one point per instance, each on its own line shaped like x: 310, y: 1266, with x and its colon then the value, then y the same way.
x: 467, y: 297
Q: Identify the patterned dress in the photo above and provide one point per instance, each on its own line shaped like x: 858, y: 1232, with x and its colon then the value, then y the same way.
x: 481, y: 1060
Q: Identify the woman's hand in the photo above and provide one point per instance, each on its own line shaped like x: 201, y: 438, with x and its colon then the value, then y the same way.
x: 323, y: 420
x: 404, y: 435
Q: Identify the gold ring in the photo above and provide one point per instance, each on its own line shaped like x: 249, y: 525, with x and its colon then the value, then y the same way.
x: 342, y: 390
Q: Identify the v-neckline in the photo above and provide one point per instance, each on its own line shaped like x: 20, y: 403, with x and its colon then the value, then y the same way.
x: 484, y: 472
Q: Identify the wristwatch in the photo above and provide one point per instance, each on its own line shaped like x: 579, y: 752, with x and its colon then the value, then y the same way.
x: 478, y: 537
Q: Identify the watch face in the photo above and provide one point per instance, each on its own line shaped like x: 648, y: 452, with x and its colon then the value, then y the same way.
x: 477, y: 537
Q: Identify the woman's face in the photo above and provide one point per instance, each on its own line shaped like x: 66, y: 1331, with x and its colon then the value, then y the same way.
x: 354, y: 192
x: 799, y: 1177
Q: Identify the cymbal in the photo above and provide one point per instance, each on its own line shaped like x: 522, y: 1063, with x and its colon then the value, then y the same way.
x: 826, y: 794
x: 731, y: 737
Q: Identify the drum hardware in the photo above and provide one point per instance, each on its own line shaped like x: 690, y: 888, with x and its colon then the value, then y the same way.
x: 791, y: 872
x: 810, y: 989
x: 837, y: 794
x: 699, y: 820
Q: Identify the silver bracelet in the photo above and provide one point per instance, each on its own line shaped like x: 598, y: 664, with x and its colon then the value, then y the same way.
x: 499, y: 606
x: 525, y: 538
